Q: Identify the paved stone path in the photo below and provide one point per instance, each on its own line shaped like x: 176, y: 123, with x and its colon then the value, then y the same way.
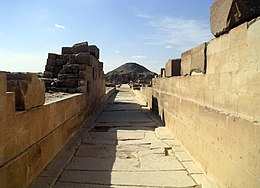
x: 128, y: 147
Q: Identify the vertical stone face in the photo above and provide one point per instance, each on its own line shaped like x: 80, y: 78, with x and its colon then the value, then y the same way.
x: 227, y: 14
x: 80, y: 47
x: 29, y: 90
x: 194, y: 60
x: 66, y: 50
x: 162, y: 73
x: 173, y: 67
x: 2, y: 83
x: 94, y: 51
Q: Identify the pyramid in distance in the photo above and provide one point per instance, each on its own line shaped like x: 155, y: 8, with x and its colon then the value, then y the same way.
x: 129, y: 72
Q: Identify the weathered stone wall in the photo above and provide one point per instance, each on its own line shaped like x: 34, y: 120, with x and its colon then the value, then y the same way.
x: 217, y: 115
x: 29, y: 139
x: 74, y: 70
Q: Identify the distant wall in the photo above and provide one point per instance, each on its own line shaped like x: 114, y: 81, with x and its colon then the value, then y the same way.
x: 217, y: 115
x: 29, y: 139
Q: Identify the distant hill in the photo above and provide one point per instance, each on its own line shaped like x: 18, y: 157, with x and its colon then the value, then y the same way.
x: 129, y: 72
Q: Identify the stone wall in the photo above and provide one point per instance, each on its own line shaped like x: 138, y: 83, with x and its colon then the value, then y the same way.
x: 216, y: 115
x: 32, y: 136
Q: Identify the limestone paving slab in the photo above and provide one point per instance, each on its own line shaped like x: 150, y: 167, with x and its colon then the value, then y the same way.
x: 156, y: 179
x: 192, y: 167
x: 160, y: 163
x: 79, y: 185
x: 183, y: 156
x: 116, y: 129
x: 100, y: 164
x: 134, y: 125
x: 118, y: 136
x: 96, y: 150
x: 99, y: 141
x: 123, y: 107
x: 203, y: 180
x: 163, y: 133
x: 119, y: 116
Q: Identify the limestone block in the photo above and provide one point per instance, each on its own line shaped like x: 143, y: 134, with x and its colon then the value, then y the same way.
x: 173, y: 67
x: 48, y: 74
x: 227, y: 14
x: 66, y: 50
x: 194, y: 60
x: 51, y: 62
x: 29, y: 90
x: 2, y: 83
x: 162, y: 72
x: 246, y: 106
x: 52, y: 56
x: 257, y: 109
x: 49, y: 68
x: 80, y: 47
x: 101, y: 65
x: 94, y: 51
x: 83, y: 58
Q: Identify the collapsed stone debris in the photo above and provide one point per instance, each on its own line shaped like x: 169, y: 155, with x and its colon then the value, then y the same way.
x: 73, y: 70
x: 29, y: 90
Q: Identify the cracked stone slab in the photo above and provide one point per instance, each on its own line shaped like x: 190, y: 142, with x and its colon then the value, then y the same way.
x: 192, y: 167
x: 156, y: 178
x: 132, y: 147
x: 122, y: 107
x: 173, y: 143
x: 134, y: 142
x: 119, y: 136
x: 163, y: 133
x: 96, y: 150
x: 183, y: 156
x: 99, y: 141
x: 158, y: 144
x: 103, y: 135
x: 92, y: 163
x: 166, y: 163
x: 154, y: 152
x: 127, y: 116
x: 130, y: 129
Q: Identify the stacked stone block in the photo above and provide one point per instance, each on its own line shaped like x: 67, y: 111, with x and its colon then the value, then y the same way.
x: 73, y: 70
x: 173, y: 67
x: 194, y: 60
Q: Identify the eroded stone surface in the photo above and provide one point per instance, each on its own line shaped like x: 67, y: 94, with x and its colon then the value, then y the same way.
x: 173, y: 67
x: 29, y: 90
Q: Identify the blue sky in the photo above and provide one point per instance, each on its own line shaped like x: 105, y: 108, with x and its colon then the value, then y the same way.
x: 145, y: 31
